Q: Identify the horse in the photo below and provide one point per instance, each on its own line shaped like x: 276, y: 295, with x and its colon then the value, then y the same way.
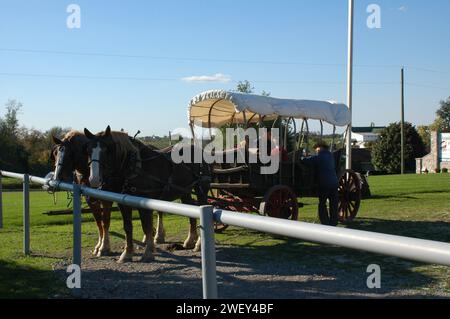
x: 70, y: 158
x: 119, y: 161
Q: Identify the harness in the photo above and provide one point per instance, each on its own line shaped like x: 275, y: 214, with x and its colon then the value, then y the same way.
x: 132, y: 170
x: 168, y: 186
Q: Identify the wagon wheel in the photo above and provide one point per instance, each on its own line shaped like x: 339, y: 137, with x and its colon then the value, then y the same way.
x: 218, y: 227
x: 280, y: 202
x: 349, y: 196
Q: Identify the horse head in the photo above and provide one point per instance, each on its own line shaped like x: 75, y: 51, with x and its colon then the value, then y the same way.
x: 61, y: 156
x: 99, y: 150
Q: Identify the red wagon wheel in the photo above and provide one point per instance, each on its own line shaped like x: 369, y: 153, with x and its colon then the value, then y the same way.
x: 349, y: 196
x: 280, y: 202
x: 218, y: 227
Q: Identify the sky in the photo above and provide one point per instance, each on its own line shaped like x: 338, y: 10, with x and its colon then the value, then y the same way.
x: 136, y: 64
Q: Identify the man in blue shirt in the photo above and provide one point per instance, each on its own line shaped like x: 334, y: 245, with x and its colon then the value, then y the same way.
x: 324, y: 166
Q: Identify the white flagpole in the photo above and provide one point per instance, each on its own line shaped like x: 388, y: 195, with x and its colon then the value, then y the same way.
x: 350, y: 83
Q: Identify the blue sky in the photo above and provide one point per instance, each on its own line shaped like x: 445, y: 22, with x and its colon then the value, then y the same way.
x: 141, y: 51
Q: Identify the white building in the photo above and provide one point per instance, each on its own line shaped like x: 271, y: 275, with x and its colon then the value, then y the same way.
x: 363, y: 135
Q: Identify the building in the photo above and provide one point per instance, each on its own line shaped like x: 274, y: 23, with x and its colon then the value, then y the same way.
x: 439, y: 157
x: 361, y: 136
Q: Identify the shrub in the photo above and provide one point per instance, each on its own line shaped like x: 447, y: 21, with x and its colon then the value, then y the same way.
x: 386, y: 151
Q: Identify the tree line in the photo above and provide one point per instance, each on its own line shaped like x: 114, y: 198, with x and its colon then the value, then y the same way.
x: 22, y: 149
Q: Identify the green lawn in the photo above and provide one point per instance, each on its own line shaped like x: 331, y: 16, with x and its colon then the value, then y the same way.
x: 415, y: 206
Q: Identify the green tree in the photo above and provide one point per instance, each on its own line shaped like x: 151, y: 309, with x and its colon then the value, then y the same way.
x: 245, y: 87
x: 386, y: 151
x: 11, y: 121
x: 442, y: 122
x: 424, y: 133
x: 12, y: 154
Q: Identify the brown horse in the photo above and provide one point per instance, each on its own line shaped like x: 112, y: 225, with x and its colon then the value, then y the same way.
x: 120, y: 162
x: 70, y: 158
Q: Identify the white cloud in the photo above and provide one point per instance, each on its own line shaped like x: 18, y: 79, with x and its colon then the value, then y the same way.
x: 219, y: 77
x: 403, y: 9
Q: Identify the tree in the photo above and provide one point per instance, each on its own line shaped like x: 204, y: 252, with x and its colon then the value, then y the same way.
x: 442, y: 122
x: 245, y: 87
x: 425, y: 135
x: 12, y: 154
x: 386, y: 152
x: 10, y: 123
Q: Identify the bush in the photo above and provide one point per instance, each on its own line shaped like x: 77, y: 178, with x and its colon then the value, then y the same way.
x: 445, y: 170
x: 386, y: 151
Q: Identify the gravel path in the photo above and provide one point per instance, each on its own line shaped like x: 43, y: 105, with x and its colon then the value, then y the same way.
x: 177, y: 274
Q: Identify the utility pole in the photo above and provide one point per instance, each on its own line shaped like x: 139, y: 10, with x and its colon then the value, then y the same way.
x: 403, y: 123
x: 348, y: 154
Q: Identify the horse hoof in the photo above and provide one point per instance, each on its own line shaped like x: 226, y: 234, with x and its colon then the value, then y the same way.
x: 124, y: 260
x: 95, y: 252
x: 159, y: 241
x: 197, y: 248
x: 103, y: 253
x: 189, y: 244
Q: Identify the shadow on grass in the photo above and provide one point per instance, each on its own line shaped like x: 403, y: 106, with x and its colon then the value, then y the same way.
x: 407, y: 195
x: 430, y: 230
x: 24, y: 282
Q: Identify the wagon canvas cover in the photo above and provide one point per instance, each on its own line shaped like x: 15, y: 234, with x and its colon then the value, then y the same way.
x: 217, y: 108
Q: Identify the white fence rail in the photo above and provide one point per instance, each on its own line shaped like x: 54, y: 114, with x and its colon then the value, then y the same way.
x: 420, y: 250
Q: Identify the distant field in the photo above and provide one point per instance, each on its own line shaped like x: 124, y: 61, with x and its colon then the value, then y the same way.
x: 412, y: 205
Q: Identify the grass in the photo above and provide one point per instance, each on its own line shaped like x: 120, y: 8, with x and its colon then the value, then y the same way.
x: 15, y: 184
x: 413, y: 205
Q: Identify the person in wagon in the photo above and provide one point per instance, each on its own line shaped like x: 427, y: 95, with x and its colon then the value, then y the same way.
x: 324, y: 166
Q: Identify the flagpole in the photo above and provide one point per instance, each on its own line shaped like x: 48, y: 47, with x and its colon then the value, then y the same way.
x: 350, y: 84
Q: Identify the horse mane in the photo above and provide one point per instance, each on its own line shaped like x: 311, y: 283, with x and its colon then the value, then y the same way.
x: 72, y: 135
x: 123, y: 147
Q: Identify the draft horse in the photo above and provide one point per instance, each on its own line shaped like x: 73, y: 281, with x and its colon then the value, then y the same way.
x: 71, y: 164
x: 118, y: 161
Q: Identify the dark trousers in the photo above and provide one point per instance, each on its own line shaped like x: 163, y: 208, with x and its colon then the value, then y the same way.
x: 328, y: 216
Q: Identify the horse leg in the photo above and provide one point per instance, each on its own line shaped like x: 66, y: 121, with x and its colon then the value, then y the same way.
x: 97, y: 212
x: 202, y: 199
x: 127, y: 255
x: 160, y: 232
x: 147, y: 226
x: 105, y: 247
x: 198, y: 244
x: 192, y: 238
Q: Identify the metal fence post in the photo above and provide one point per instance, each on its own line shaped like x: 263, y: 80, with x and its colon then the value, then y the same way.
x: 26, y: 214
x: 77, y: 224
x: 209, y: 276
x: 77, y: 231
x: 1, y: 202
